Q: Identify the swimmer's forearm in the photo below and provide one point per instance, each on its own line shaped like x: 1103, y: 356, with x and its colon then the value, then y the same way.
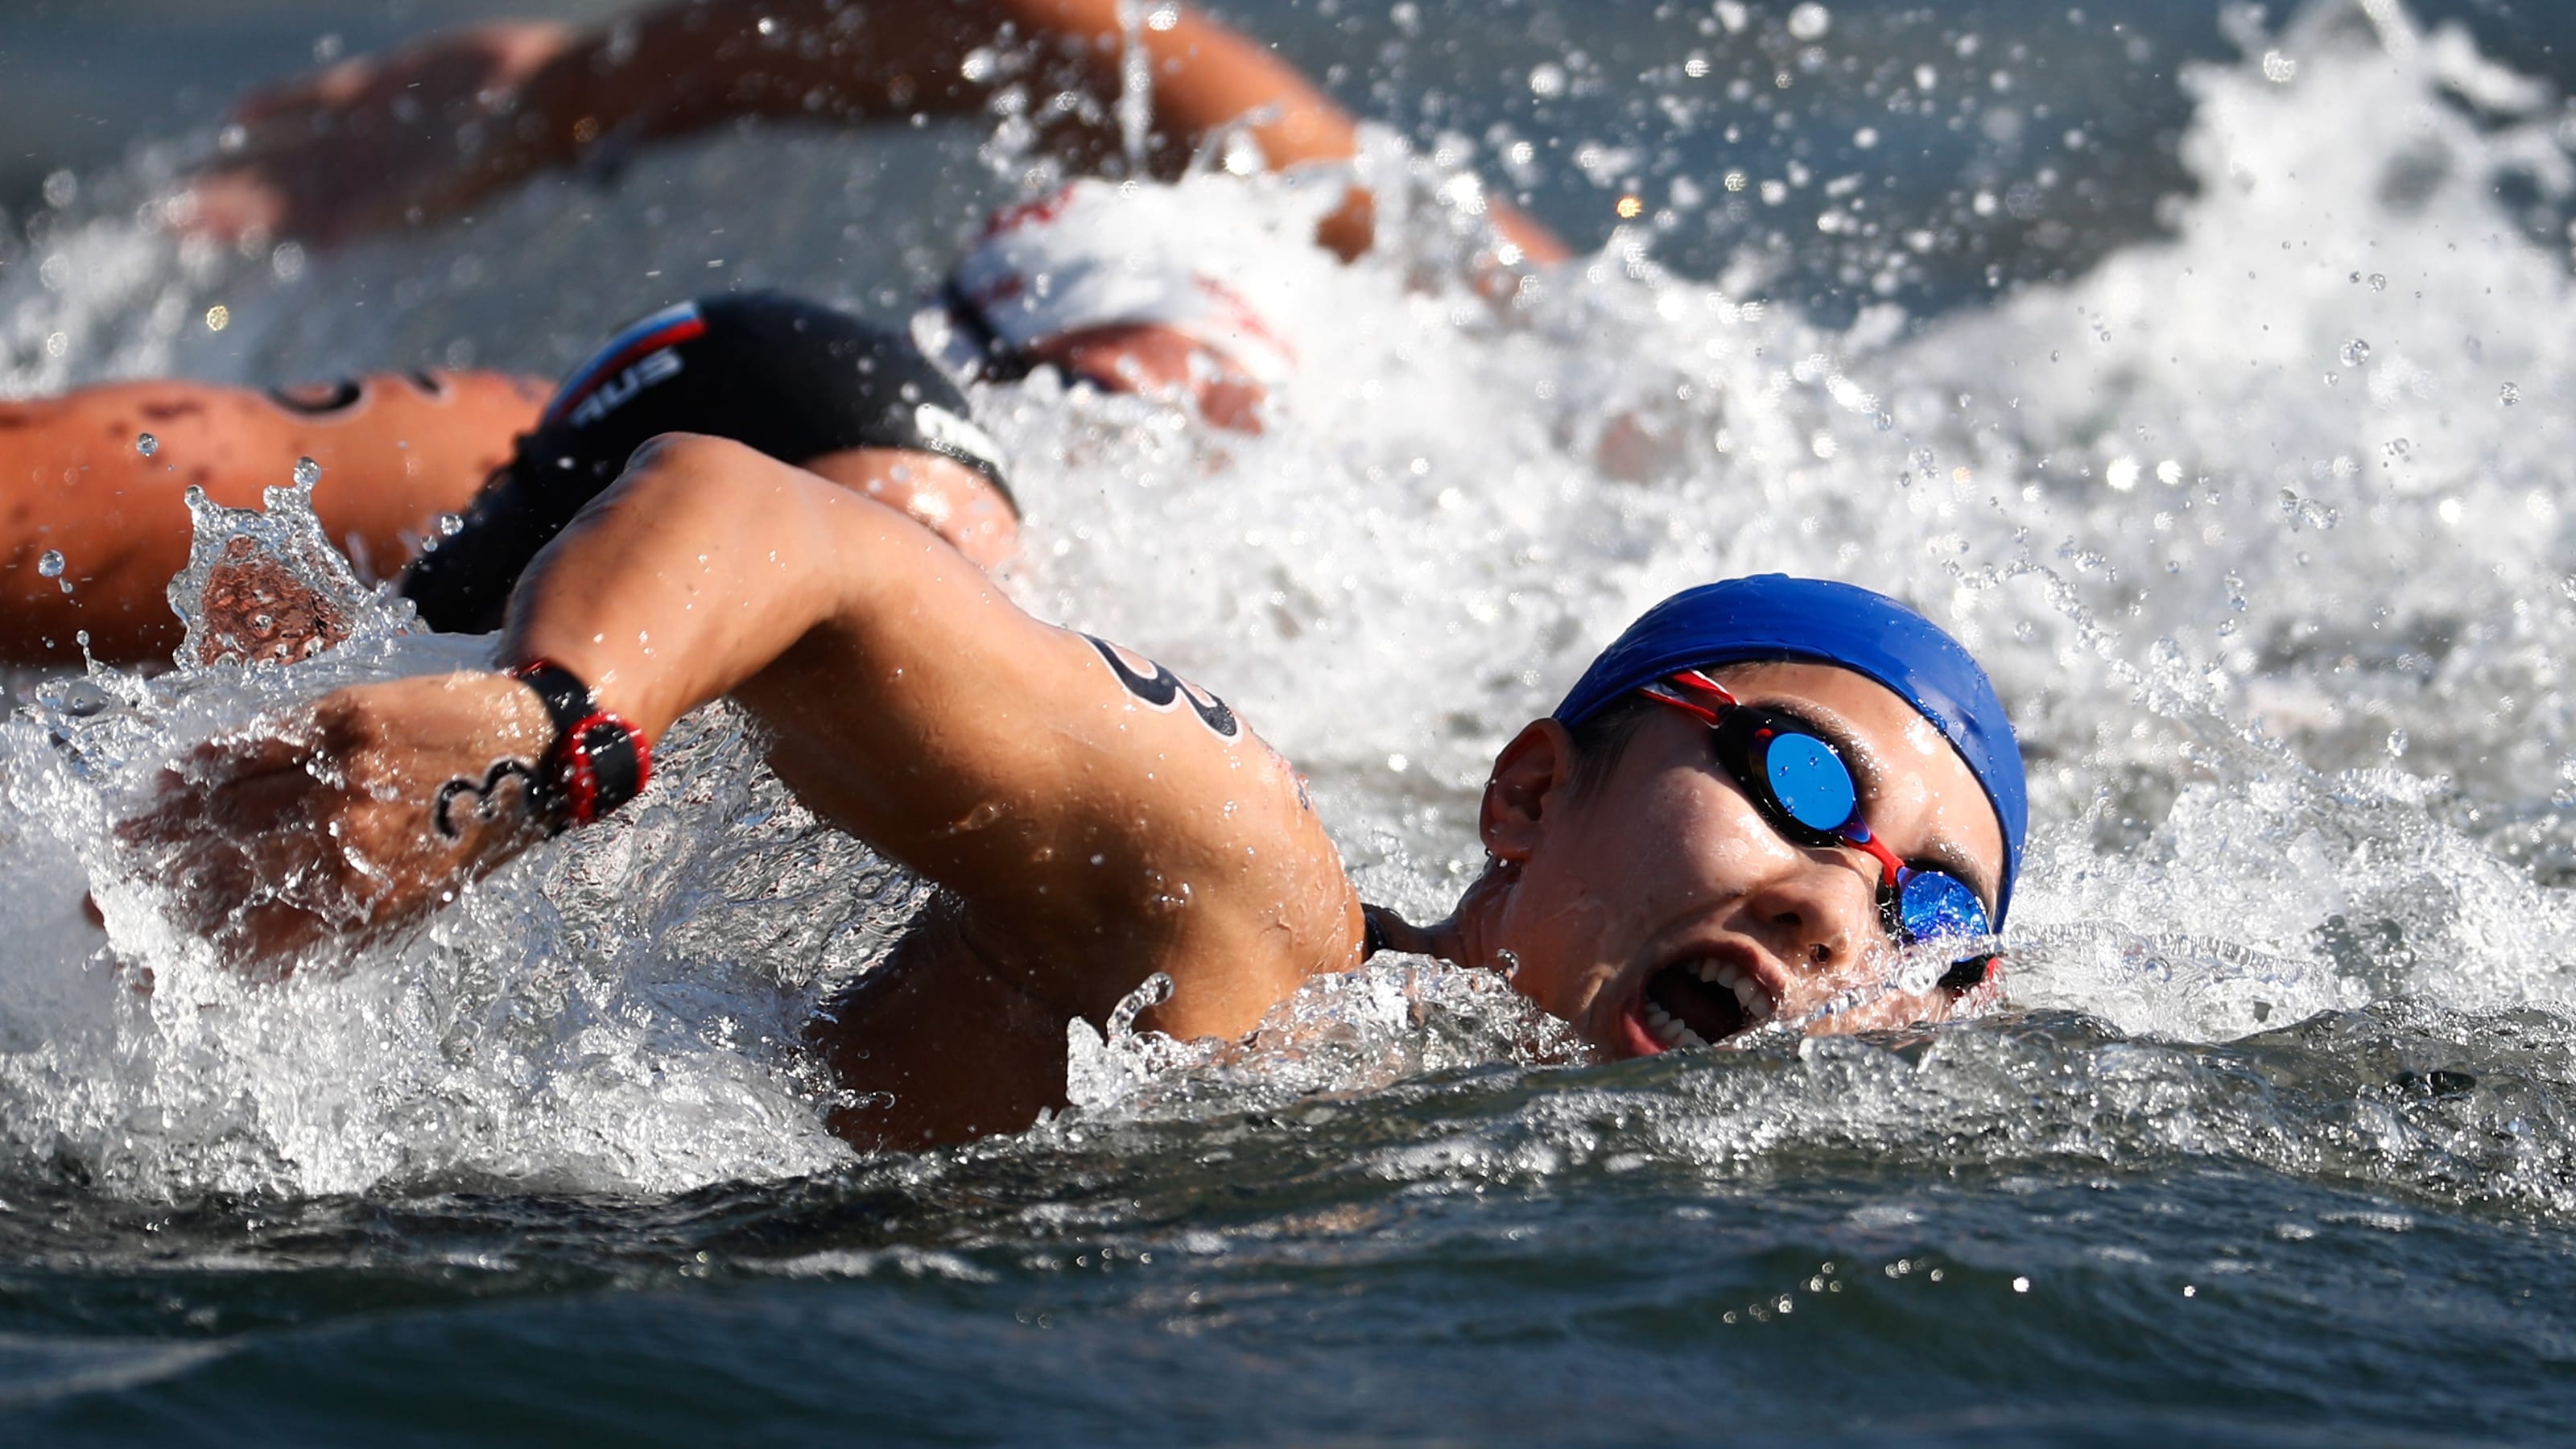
x: 701, y: 567
x: 685, y: 67
x: 680, y: 68
x: 78, y: 481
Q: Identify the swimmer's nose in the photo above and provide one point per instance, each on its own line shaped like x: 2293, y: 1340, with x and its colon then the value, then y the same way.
x: 1815, y: 915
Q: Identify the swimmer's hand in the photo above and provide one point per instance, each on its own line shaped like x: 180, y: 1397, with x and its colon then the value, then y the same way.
x: 377, y: 141
x: 326, y: 824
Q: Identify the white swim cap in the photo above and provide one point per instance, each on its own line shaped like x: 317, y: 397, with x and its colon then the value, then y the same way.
x: 1206, y: 257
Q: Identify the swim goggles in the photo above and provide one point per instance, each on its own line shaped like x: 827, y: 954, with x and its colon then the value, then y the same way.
x: 1804, y: 789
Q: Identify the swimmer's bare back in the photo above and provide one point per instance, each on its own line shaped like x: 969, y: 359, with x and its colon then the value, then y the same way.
x: 1091, y: 818
x: 396, y: 451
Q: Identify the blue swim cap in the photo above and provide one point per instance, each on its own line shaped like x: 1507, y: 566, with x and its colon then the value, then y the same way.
x: 1773, y: 616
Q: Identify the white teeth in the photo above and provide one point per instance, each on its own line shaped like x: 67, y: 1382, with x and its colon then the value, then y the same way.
x: 1664, y: 1027
x: 1708, y: 971
x: 1755, y: 1001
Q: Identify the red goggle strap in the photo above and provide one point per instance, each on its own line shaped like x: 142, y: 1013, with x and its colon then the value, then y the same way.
x: 1667, y: 692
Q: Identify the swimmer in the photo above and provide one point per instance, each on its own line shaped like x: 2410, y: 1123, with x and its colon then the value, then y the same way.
x: 1738, y: 816
x: 1095, y: 282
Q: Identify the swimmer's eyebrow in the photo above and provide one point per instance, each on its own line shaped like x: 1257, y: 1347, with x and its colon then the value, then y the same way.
x: 1940, y: 850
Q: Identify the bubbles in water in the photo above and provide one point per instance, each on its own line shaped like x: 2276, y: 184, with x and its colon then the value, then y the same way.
x: 146, y: 444
x: 2355, y: 353
x: 51, y: 565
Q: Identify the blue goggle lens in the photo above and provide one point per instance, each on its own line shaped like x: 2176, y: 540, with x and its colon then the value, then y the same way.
x: 1933, y: 904
x: 1810, y: 781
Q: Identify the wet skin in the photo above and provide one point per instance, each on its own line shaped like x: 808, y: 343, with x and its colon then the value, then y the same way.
x: 1667, y: 862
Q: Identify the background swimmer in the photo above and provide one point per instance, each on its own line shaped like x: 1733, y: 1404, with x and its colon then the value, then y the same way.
x: 369, y: 143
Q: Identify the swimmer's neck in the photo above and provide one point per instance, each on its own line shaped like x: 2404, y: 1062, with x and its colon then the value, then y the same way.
x: 1464, y: 938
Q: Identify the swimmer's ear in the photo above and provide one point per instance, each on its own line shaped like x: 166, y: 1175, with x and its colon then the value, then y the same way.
x: 1530, y: 776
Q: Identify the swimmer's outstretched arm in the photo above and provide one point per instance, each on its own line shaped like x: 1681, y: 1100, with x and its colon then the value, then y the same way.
x: 1093, y: 821
x: 427, y: 130
x: 396, y: 450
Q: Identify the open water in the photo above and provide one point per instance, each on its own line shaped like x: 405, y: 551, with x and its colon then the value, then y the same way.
x: 2210, y: 378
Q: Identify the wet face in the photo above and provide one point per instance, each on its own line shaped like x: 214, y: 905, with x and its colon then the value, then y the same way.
x: 1159, y: 362
x: 1656, y: 907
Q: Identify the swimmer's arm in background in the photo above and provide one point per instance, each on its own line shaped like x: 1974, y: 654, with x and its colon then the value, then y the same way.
x: 374, y: 142
x: 396, y: 451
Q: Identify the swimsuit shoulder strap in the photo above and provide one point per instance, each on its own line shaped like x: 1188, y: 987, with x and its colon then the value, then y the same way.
x: 1373, y: 939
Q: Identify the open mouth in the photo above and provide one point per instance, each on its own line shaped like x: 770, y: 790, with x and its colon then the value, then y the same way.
x: 1693, y: 1003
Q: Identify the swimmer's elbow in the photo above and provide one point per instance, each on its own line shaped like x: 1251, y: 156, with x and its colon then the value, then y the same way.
x: 720, y: 505
x: 694, y: 461
x: 707, y: 486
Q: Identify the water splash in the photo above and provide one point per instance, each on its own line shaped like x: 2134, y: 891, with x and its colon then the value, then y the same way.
x: 266, y: 586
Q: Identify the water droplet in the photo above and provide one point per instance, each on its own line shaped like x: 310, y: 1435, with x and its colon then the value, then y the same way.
x: 1810, y: 22
x: 2396, y: 742
x: 2355, y: 353
x: 51, y: 565
x: 2510, y: 395
x: 2379, y: 281
x: 307, y: 472
x: 146, y: 444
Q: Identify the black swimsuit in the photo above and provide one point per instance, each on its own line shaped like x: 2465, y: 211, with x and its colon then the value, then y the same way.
x: 787, y: 377
x: 1372, y: 935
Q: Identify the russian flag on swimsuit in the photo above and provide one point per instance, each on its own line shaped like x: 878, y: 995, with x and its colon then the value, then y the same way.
x: 667, y: 328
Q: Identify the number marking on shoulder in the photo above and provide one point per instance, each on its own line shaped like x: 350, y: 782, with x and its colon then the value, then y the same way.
x: 1164, y: 690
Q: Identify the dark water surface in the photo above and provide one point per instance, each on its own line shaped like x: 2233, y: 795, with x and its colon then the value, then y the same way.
x: 1636, y: 1309
x: 2282, y: 1241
